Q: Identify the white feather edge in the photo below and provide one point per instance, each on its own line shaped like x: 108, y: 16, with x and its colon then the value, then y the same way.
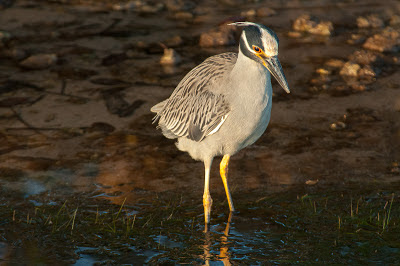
x: 218, y: 126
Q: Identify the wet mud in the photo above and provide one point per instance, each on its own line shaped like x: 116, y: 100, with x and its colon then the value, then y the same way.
x: 85, y: 177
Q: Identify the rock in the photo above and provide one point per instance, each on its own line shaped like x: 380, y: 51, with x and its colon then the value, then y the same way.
x: 394, y: 20
x: 387, y: 41
x: 39, y: 61
x: 175, y: 41
x: 367, y: 71
x: 356, y: 39
x: 294, y: 34
x: 395, y: 168
x: 265, y: 12
x: 305, y: 23
x: 116, y: 104
x: 334, y: 63
x: 371, y: 21
x: 350, y: 69
x: 224, y: 35
x: 323, y: 71
x: 358, y: 87
x: 183, y: 15
x: 170, y: 57
x: 363, y: 57
x: 338, y: 125
x: 312, y: 182
x: 131, y: 5
x: 249, y: 13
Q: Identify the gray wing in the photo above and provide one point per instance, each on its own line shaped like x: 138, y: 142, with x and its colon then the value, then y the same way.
x: 194, y: 110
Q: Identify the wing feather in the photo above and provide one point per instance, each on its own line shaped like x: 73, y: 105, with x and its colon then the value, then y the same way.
x: 193, y: 110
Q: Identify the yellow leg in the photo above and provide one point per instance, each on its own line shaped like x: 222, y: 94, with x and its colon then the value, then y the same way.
x: 207, y: 200
x: 224, y: 175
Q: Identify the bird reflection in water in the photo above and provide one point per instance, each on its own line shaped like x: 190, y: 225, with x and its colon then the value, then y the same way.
x: 224, y: 250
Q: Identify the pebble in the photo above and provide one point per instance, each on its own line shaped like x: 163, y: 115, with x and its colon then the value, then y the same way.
x: 39, y: 61
x: 249, y: 13
x: 394, y: 20
x: 312, y: 182
x: 356, y: 39
x: 363, y: 57
x: 131, y: 5
x: 294, y: 34
x: 367, y: 71
x: 338, y: 126
x: 371, y: 21
x: 323, y: 71
x: 387, y: 41
x: 175, y: 41
x: 334, y: 63
x: 224, y: 35
x: 170, y: 57
x: 358, y: 87
x: 183, y: 15
x: 350, y: 69
x: 306, y: 23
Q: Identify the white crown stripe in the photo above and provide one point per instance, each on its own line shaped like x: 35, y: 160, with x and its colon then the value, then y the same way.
x: 247, y: 43
x: 243, y: 24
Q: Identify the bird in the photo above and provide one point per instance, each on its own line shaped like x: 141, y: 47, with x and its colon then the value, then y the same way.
x: 224, y: 104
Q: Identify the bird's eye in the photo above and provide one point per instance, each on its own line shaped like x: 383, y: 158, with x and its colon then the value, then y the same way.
x: 256, y: 49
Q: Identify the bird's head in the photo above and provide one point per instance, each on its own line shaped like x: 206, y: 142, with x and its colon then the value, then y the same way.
x: 260, y: 44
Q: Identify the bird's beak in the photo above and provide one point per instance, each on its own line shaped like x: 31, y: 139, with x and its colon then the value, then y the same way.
x: 274, y: 66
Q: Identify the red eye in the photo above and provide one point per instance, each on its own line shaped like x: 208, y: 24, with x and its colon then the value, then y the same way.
x: 256, y: 49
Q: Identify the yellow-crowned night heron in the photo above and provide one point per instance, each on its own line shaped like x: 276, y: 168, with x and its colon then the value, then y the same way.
x: 224, y: 104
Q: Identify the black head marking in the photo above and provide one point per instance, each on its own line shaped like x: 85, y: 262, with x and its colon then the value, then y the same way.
x: 253, y: 36
x: 257, y: 35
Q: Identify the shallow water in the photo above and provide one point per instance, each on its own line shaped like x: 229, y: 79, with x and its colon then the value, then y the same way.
x: 85, y: 178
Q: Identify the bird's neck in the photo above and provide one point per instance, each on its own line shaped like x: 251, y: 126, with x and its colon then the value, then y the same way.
x: 251, y: 78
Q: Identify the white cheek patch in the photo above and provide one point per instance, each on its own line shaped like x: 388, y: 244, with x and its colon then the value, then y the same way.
x: 247, y: 44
